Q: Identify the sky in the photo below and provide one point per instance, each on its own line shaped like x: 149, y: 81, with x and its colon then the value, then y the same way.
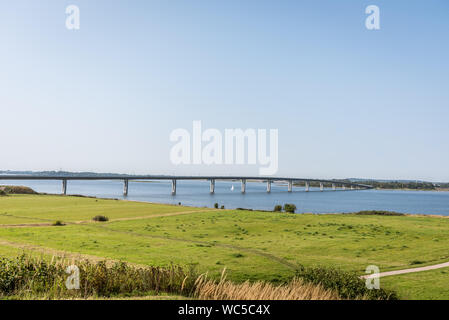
x: 347, y: 101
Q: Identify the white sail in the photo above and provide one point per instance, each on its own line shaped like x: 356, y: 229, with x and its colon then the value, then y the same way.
x: 232, y: 188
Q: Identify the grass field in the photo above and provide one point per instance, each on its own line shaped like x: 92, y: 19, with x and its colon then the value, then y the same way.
x: 250, y: 245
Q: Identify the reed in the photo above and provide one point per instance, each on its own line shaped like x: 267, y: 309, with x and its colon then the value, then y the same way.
x: 207, y: 289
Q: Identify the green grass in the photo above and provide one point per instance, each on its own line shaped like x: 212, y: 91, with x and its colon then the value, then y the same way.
x: 427, y: 285
x: 249, y: 244
x: 19, y: 209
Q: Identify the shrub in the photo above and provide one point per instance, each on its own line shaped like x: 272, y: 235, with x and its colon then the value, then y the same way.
x: 31, y: 277
x: 277, y: 208
x: 222, y: 207
x: 58, y: 223
x: 100, y: 218
x: 379, y: 213
x: 18, y: 190
x: 216, y: 205
x: 348, y: 285
x: 3, y: 193
x: 289, y: 207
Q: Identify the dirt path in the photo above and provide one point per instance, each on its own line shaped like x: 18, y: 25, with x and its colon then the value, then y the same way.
x: 80, y: 256
x: 47, y: 224
x: 211, y: 244
x: 53, y: 252
x: 169, y: 214
x: 404, y: 271
x: 104, y: 226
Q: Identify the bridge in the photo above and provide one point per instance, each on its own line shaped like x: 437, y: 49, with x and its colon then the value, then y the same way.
x: 334, y: 184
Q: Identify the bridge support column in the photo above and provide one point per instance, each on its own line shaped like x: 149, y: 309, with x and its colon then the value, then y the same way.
x: 173, y: 187
x: 243, y: 185
x: 343, y: 187
x: 268, y: 186
x: 290, y: 185
x: 212, y: 186
x: 334, y: 187
x: 125, y: 187
x: 321, y: 186
x: 307, y: 186
x: 64, y: 186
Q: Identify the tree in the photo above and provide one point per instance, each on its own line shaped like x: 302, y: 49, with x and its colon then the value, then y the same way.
x: 277, y: 208
x: 289, y: 207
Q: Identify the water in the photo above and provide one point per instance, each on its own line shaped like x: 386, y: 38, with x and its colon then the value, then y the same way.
x: 196, y: 193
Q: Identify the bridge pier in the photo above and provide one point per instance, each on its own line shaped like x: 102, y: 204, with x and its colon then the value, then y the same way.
x: 321, y: 186
x: 212, y: 186
x: 173, y: 187
x: 64, y: 186
x: 343, y: 187
x: 334, y: 187
x: 125, y: 187
x: 243, y: 185
x: 307, y: 186
x: 268, y: 186
x: 290, y: 185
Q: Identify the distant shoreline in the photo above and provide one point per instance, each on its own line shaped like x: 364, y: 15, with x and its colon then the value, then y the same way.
x: 408, y: 189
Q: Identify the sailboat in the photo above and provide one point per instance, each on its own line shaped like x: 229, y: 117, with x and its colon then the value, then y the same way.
x: 232, y: 188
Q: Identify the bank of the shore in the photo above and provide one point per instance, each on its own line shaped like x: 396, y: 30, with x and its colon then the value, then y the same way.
x: 246, y: 243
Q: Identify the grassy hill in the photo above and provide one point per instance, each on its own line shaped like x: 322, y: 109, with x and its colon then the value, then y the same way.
x: 251, y: 245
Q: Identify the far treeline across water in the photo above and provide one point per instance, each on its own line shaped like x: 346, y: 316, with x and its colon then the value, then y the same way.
x: 378, y: 184
x: 420, y: 185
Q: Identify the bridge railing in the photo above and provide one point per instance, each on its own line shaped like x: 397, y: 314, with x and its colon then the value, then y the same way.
x: 343, y: 185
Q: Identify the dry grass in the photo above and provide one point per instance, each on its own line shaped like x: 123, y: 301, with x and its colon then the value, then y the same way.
x: 226, y: 290
x: 25, y: 277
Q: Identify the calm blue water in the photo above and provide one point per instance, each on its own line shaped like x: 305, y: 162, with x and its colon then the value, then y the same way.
x: 196, y: 193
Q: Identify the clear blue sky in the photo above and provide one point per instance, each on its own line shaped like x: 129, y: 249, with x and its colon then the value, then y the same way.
x: 348, y: 102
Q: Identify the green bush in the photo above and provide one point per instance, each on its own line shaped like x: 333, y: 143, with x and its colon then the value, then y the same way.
x: 100, y: 218
x: 32, y: 277
x: 277, y: 208
x: 216, y: 205
x: 222, y: 207
x: 58, y: 223
x: 3, y: 193
x: 379, y: 213
x: 18, y: 190
x: 347, y: 284
x: 289, y: 207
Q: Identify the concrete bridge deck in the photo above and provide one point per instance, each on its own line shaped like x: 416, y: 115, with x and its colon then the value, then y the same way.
x: 243, y: 179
